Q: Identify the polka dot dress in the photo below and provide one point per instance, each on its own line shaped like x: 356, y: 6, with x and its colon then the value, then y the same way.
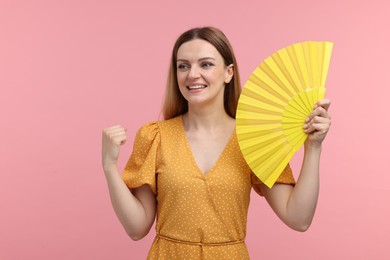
x: 199, y: 216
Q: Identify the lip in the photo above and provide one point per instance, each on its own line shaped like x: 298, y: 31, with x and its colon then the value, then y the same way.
x: 196, y: 86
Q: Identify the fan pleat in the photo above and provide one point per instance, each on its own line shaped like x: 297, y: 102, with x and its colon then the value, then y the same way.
x: 275, y: 102
x: 298, y: 105
x: 260, y: 116
x: 272, y: 69
x: 247, y: 127
x: 302, y: 66
x: 272, y: 173
x: 258, y: 78
x: 314, y: 48
x: 267, y: 95
x: 291, y: 113
x: 248, y: 102
x: 255, y: 109
x: 267, y: 167
x: 288, y: 69
x: 270, y: 139
x: 261, y: 156
x: 296, y: 51
x: 256, y: 94
x: 291, y: 117
x: 325, y: 65
x: 295, y: 136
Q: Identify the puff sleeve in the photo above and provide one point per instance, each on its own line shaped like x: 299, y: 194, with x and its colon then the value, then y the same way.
x: 286, y: 177
x: 142, y: 165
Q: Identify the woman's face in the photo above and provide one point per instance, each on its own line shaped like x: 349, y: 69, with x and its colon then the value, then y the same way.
x: 201, y: 73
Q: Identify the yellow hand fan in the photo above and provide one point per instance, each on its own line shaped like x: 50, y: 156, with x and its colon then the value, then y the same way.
x: 274, y: 104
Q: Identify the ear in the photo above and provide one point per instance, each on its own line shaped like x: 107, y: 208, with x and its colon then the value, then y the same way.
x: 229, y: 73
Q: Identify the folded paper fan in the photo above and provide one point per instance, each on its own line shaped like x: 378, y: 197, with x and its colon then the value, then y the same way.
x: 274, y: 103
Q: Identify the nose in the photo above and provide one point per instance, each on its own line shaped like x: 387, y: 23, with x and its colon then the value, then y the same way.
x: 194, y: 72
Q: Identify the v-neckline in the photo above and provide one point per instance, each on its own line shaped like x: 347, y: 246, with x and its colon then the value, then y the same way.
x: 189, y: 149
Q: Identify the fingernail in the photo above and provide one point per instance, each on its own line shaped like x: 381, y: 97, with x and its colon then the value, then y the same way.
x: 315, y: 106
x: 305, y: 126
x: 307, y: 120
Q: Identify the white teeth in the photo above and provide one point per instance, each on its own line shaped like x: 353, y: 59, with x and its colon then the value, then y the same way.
x: 195, y: 87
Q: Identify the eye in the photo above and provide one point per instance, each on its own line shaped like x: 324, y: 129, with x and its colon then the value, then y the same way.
x: 207, y: 65
x: 183, y: 66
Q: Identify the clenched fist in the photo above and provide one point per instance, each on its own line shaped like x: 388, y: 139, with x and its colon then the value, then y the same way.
x: 113, y: 138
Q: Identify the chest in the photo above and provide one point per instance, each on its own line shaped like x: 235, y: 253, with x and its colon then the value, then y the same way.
x: 188, y: 168
x: 188, y: 165
x: 206, y: 150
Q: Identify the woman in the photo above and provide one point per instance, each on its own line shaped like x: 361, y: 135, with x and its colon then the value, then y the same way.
x: 188, y: 168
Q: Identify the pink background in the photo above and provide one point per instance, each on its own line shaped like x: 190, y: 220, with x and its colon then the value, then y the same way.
x: 70, y: 68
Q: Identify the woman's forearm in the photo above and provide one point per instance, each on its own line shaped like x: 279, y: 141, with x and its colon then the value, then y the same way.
x: 303, y: 199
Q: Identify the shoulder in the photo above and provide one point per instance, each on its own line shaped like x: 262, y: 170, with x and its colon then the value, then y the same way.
x: 170, y: 123
x: 153, y: 129
x: 170, y: 127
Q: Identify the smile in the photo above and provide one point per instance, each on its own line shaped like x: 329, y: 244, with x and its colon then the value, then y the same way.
x: 196, y: 87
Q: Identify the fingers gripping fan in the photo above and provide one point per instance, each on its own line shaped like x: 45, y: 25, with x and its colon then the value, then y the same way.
x: 274, y: 103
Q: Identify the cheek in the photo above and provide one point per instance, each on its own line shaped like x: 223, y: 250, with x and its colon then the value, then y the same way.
x: 218, y: 76
x: 181, y: 77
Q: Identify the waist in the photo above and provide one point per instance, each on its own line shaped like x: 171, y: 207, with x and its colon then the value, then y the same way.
x: 174, y: 240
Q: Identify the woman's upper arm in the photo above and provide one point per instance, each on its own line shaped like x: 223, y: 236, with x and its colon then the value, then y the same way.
x: 147, y: 199
x: 277, y: 198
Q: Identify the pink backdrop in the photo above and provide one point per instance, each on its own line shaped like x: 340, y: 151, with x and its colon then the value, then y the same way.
x: 70, y: 68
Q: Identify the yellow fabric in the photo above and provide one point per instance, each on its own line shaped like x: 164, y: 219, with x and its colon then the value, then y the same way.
x: 198, y: 216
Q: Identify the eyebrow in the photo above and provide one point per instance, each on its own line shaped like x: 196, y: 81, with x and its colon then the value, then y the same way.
x: 201, y: 59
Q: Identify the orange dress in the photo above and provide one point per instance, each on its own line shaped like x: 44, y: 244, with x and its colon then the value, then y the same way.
x: 199, y: 216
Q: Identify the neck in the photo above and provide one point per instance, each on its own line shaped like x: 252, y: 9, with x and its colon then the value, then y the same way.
x: 207, y: 119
